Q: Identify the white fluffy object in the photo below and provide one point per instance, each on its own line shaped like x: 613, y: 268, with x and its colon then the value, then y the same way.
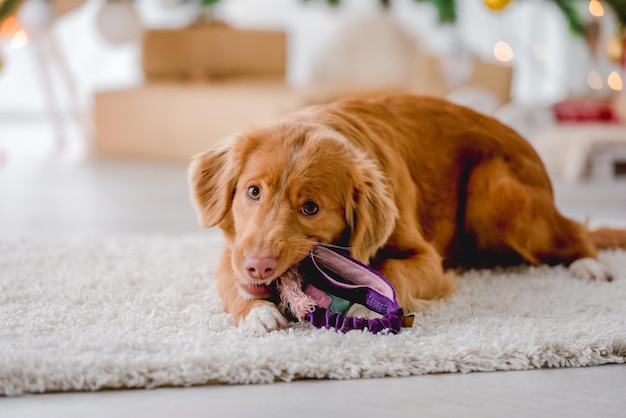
x: 374, y: 52
x: 142, y: 312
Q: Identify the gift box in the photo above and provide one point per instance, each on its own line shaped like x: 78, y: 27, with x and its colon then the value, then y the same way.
x: 177, y: 120
x: 213, y: 50
x: 203, y: 83
x: 494, y: 78
x: 61, y: 7
x: 584, y: 109
x: 428, y: 78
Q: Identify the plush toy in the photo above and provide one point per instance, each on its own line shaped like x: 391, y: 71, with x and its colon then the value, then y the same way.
x: 324, y: 285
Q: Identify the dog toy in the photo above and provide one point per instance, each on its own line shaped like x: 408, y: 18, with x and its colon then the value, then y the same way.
x: 321, y: 289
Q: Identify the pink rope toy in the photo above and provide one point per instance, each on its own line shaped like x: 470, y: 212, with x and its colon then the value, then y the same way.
x: 323, y: 286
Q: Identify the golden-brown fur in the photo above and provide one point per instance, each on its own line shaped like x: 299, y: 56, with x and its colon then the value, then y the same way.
x: 409, y: 184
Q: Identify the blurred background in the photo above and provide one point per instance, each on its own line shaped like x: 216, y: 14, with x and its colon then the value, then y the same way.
x: 103, y: 103
x: 109, y: 95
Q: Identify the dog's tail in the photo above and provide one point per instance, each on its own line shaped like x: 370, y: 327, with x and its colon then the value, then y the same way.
x: 608, y: 238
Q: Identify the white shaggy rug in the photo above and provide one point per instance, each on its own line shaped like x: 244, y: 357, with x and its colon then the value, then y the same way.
x: 89, y: 314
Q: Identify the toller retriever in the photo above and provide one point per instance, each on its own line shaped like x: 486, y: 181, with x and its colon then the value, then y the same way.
x: 410, y: 185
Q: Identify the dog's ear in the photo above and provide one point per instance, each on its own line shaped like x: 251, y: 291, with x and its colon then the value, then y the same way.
x: 212, y: 180
x: 370, y: 212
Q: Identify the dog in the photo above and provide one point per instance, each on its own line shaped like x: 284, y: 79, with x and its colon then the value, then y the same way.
x: 411, y: 185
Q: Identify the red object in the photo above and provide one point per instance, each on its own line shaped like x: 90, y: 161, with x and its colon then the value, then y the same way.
x: 584, y: 110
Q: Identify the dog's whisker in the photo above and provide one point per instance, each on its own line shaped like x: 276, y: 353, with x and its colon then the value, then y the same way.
x: 364, y: 244
x: 336, y: 247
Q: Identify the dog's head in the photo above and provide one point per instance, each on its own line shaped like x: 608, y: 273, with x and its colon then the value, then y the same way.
x: 277, y: 191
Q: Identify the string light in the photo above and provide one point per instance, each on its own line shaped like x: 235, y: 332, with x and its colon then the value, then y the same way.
x: 503, y: 51
x: 19, y: 39
x: 594, y: 80
x: 595, y: 8
x: 615, y: 81
x: 9, y: 27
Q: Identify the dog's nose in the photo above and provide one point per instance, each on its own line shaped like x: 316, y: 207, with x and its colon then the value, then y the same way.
x: 260, y: 268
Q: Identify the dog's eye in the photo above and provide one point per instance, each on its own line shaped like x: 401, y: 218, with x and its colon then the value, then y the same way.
x: 254, y: 193
x: 310, y: 208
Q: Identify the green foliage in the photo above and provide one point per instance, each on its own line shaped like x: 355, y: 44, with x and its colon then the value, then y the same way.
x: 332, y: 3
x: 619, y: 8
x: 574, y: 21
x: 7, y: 8
x: 446, y: 9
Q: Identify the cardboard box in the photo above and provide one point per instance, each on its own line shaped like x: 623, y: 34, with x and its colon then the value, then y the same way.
x: 61, y: 7
x: 493, y: 77
x: 428, y: 79
x: 177, y: 120
x: 213, y: 51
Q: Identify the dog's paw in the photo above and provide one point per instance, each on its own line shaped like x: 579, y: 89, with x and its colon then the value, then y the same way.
x: 590, y: 269
x: 263, y: 318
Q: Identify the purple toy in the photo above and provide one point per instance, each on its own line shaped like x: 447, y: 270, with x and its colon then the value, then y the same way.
x: 321, y: 289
